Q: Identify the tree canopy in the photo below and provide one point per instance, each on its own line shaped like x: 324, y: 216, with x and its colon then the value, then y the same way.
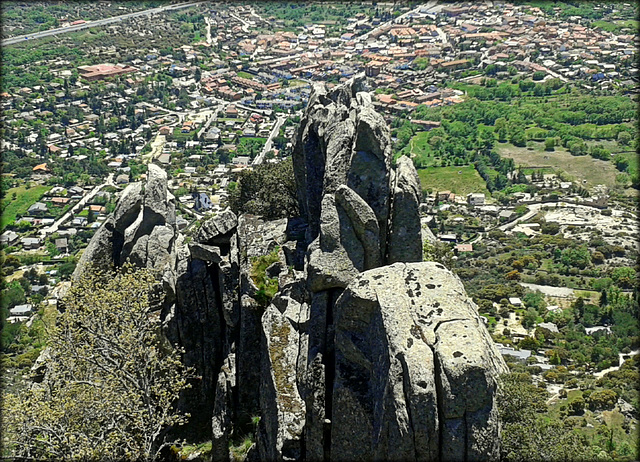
x: 268, y: 190
x: 110, y: 381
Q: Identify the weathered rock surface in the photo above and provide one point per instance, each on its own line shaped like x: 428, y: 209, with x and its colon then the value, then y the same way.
x: 282, y: 408
x: 351, y: 359
x: 405, y: 215
x: 342, y: 160
x: 415, y: 369
x: 141, y: 230
x: 216, y: 230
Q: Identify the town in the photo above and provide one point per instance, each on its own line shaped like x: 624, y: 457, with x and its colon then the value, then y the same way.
x: 473, y: 92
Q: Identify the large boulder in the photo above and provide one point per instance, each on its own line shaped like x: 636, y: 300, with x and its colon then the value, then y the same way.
x: 128, y: 206
x: 342, y: 140
x: 217, y: 229
x: 101, y: 249
x: 155, y: 196
x: 415, y: 369
x: 405, y: 242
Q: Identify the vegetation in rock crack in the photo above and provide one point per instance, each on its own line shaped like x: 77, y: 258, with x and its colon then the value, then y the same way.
x: 240, y: 445
x: 269, y: 191
x: 109, y: 383
x: 267, y: 287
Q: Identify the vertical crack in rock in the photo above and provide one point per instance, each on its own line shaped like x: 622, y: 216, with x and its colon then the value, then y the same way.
x: 437, y: 371
x: 406, y: 391
x: 365, y: 352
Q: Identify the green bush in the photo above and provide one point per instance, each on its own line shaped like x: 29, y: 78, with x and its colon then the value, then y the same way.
x: 267, y: 287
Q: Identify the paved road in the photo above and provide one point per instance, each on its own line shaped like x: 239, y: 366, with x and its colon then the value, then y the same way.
x: 275, y: 60
x: 533, y: 209
x: 211, y: 119
x: 180, y: 115
x: 76, y: 208
x: 267, y: 146
x: 621, y: 359
x: 245, y: 25
x: 99, y: 22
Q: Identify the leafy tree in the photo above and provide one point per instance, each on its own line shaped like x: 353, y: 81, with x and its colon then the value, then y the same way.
x: 579, y: 257
x: 551, y: 228
x: 269, y: 190
x: 538, y: 75
x: 110, y: 383
x: 624, y: 276
x: 624, y: 138
x: 602, y: 399
x: 524, y: 429
x: 549, y: 144
x: 529, y: 318
x: 576, y: 407
x: 438, y: 252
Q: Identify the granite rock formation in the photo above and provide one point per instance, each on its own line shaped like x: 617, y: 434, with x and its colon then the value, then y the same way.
x: 365, y: 352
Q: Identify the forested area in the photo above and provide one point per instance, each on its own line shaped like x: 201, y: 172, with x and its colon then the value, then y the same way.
x: 470, y: 130
x: 492, y: 272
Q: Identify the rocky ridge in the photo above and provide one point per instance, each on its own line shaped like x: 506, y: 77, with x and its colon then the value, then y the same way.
x: 365, y: 352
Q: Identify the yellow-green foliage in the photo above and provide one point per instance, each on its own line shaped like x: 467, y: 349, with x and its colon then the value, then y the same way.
x: 198, y: 452
x: 111, y: 381
x: 459, y: 180
x: 267, y: 287
x: 239, y: 451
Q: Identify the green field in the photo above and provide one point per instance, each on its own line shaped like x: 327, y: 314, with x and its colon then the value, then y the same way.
x: 616, y: 26
x: 593, y: 171
x: 25, y: 198
x: 421, y: 151
x: 297, y: 83
x: 245, y: 75
x: 459, y: 180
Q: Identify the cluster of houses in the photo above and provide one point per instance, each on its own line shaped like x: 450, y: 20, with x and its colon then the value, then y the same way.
x: 259, y: 68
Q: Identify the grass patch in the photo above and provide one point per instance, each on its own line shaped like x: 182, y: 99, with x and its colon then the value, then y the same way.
x: 24, y: 199
x: 239, y: 451
x: 201, y: 451
x: 529, y: 171
x: 420, y: 149
x: 297, y: 83
x: 594, y: 171
x: 180, y: 137
x: 459, y: 180
x: 267, y: 287
x: 245, y: 75
x: 617, y: 26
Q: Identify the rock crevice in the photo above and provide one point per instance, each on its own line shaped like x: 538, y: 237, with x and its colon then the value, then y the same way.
x: 365, y: 352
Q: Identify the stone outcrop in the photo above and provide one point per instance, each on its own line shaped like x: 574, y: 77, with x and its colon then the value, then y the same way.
x: 415, y: 368
x: 141, y: 230
x: 403, y: 245
x: 365, y: 352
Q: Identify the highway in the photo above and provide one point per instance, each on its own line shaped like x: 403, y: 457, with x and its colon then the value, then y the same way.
x: 99, y: 22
